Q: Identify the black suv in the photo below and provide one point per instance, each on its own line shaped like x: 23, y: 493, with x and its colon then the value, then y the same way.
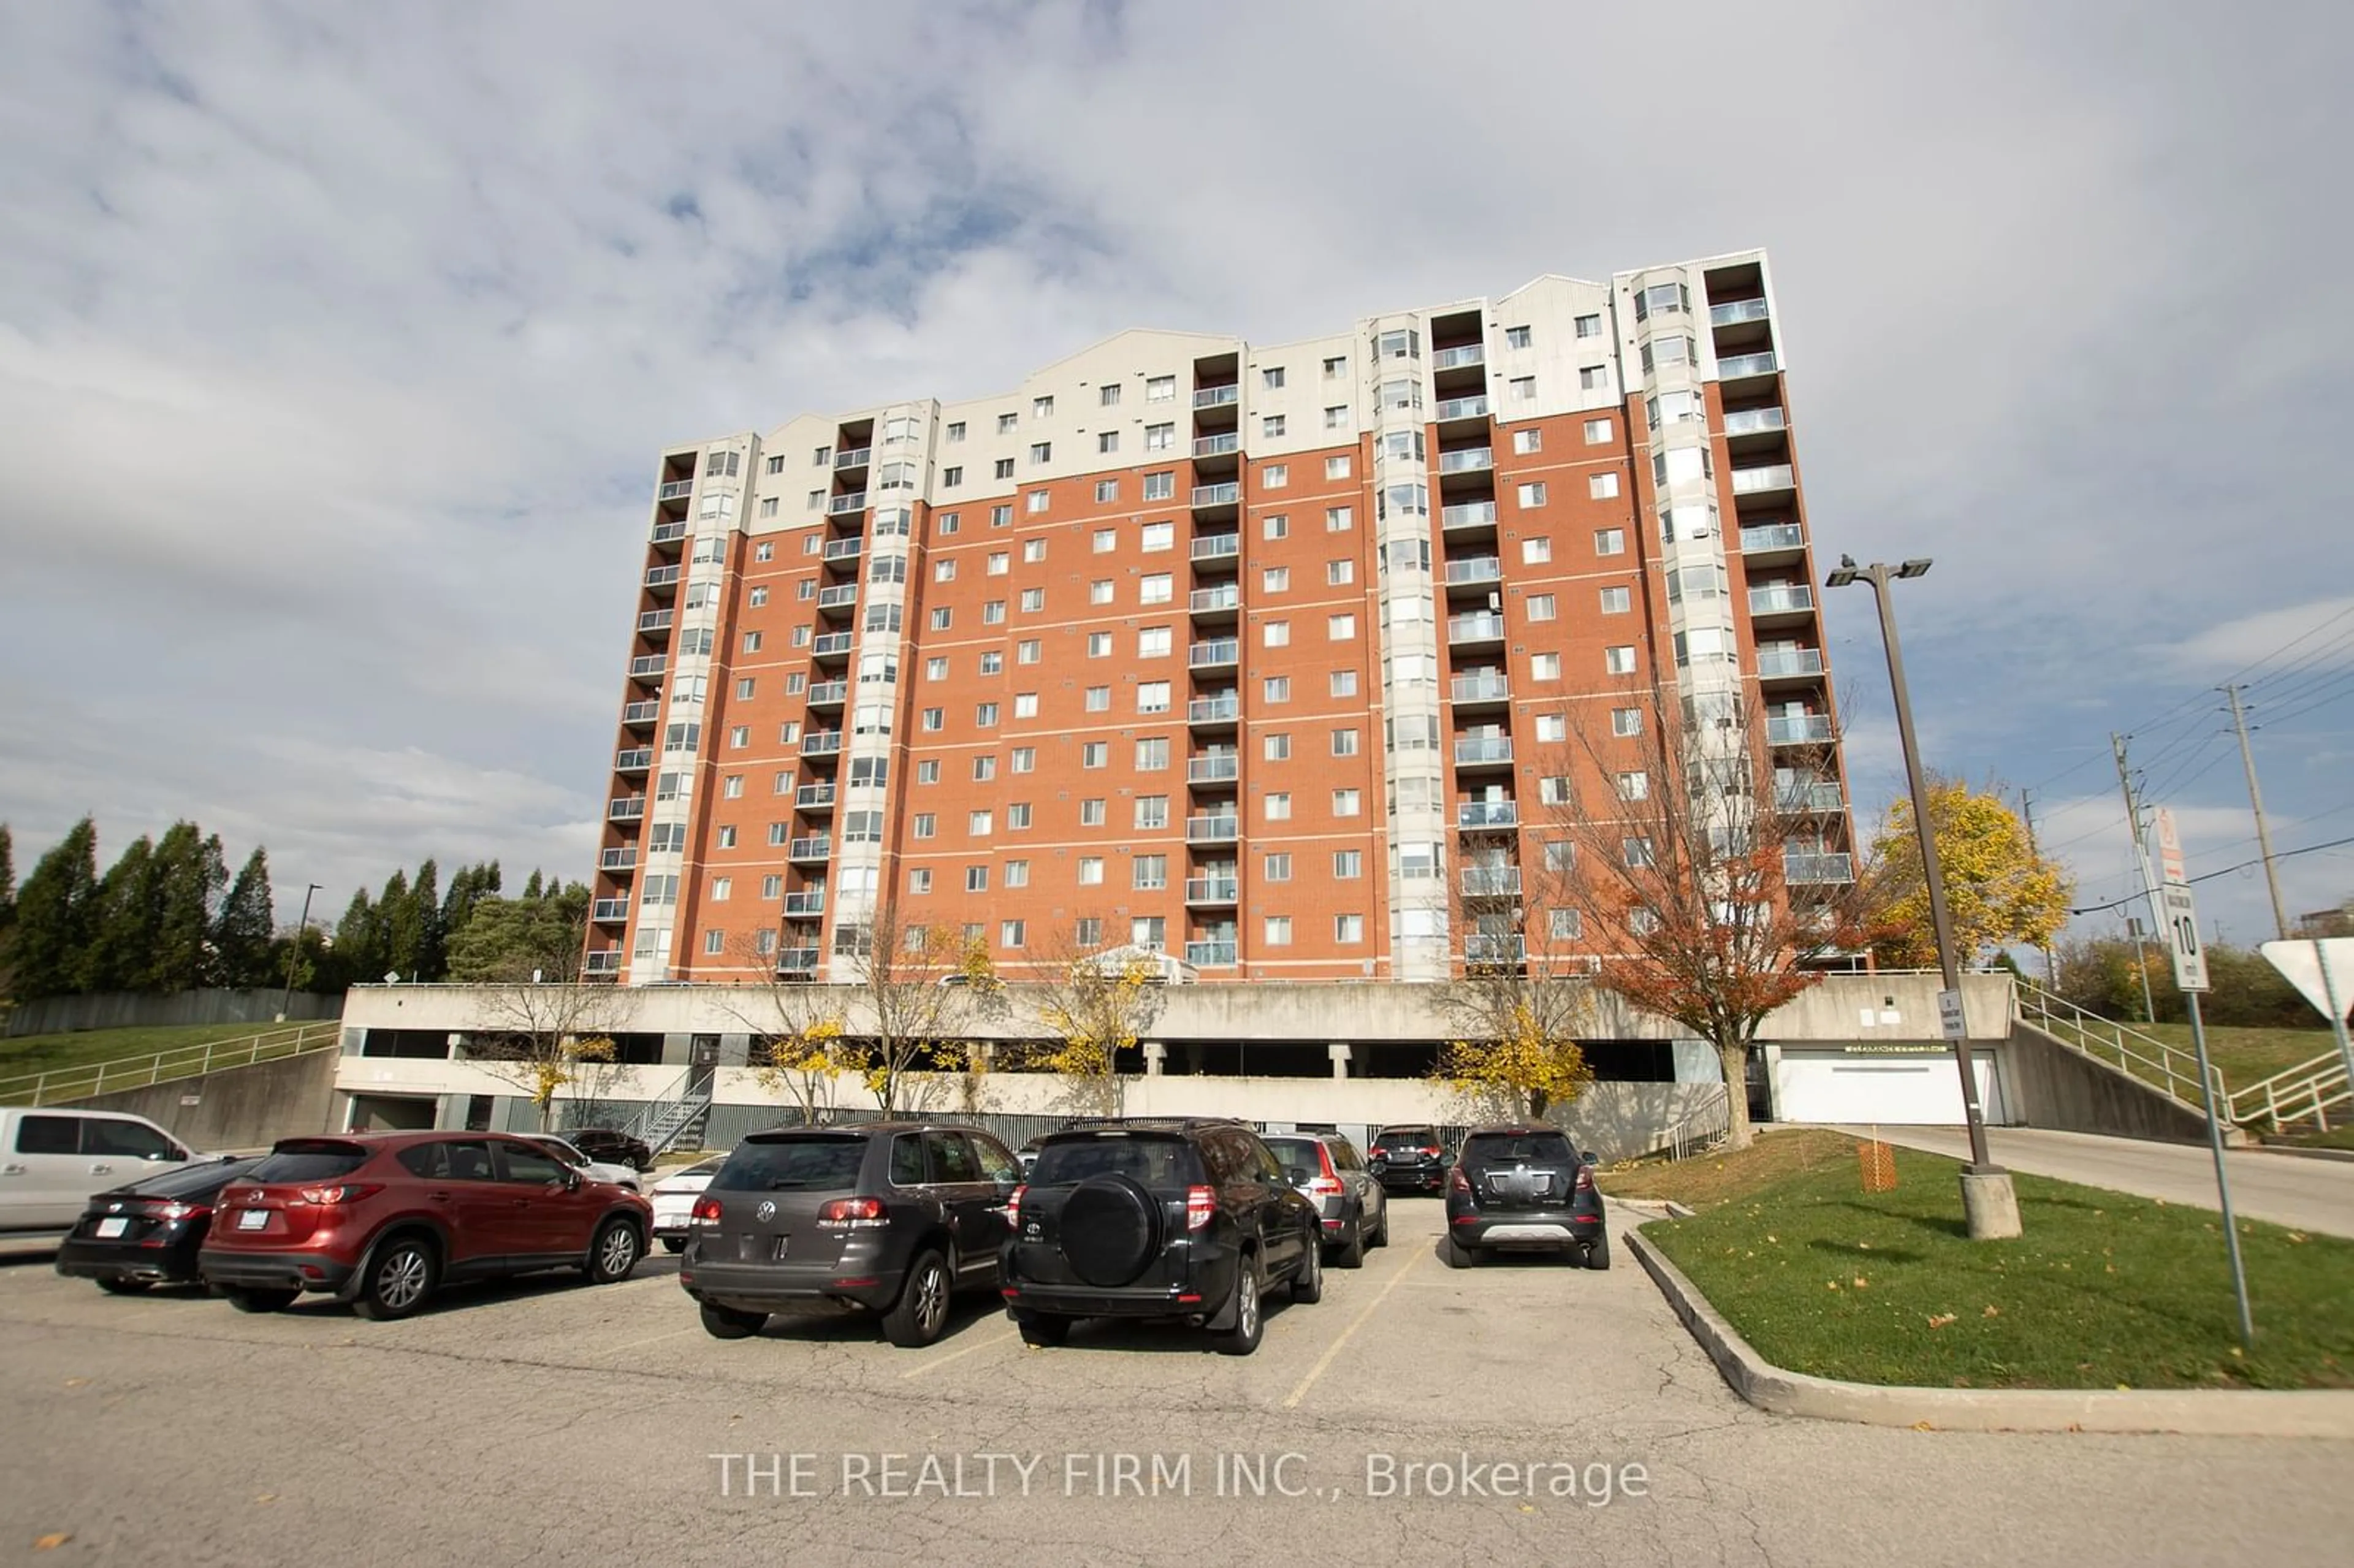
x: 1183, y: 1219
x: 607, y: 1147
x: 1517, y: 1186
x: 1411, y: 1158
x: 893, y: 1217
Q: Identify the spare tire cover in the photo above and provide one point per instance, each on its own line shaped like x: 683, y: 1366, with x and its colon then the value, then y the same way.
x: 1110, y: 1229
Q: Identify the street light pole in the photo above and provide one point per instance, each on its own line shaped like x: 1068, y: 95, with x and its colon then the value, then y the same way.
x: 1988, y: 1202
x: 294, y: 952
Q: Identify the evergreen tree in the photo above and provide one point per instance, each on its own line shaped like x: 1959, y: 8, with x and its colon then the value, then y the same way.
x: 468, y: 885
x: 359, y: 943
x: 532, y: 891
x: 55, y: 908
x: 190, y: 876
x: 425, y: 897
x: 404, y: 926
x: 126, y: 923
x: 241, y: 938
x: 7, y: 882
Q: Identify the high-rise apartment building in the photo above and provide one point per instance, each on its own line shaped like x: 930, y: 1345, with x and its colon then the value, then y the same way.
x: 1250, y: 653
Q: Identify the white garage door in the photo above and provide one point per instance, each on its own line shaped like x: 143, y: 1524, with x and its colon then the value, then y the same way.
x: 1890, y: 1090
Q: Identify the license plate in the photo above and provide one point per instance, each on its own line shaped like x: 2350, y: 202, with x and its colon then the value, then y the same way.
x: 252, y: 1218
x: 113, y: 1227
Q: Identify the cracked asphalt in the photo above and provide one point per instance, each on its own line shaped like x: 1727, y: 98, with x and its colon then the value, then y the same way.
x: 559, y: 1423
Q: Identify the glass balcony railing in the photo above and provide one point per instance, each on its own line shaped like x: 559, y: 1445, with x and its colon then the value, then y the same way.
x: 1487, y: 815
x: 1482, y: 748
x: 1810, y: 799
x: 1773, y: 536
x: 1456, y: 358
x: 618, y: 860
x: 1491, y: 881
x: 661, y: 577
x: 854, y: 502
x: 646, y: 664
x: 1484, y: 627
x: 1220, y: 830
x: 1799, y: 729
x: 1225, y: 494
x: 1469, y: 515
x: 1215, y: 546
x: 1732, y: 313
x: 1786, y: 661
x: 1802, y: 868
x: 1210, y: 954
x: 1478, y: 569
x: 1744, y: 365
x: 857, y: 456
x: 1494, y: 952
x: 817, y: 847
x: 1773, y: 476
x: 1482, y: 688
x: 608, y: 911
x: 641, y: 713
x: 602, y: 961
x: 626, y: 809
x: 1216, y: 396
x: 814, y: 798
x: 1755, y: 422
x: 1215, y: 769
x: 1471, y: 460
x: 675, y: 490
x: 1212, y: 889
x: 1225, y: 595
x: 636, y: 759
x: 1780, y: 599
x: 669, y: 532
x: 654, y: 622
x: 843, y: 549
x: 1218, y: 446
x: 820, y: 743
x: 842, y: 595
x: 1224, y: 708
x: 829, y: 694
x: 1462, y: 409
x: 831, y: 642
x: 797, y: 961
x: 1216, y: 651
x: 801, y: 906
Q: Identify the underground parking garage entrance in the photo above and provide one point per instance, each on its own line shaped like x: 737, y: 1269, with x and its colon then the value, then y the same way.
x: 391, y: 1113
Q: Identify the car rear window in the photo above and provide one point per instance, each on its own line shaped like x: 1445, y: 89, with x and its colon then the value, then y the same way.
x: 1304, y: 1153
x: 1491, y: 1146
x: 1403, y: 1134
x: 193, y: 1180
x: 789, y: 1164
x: 1149, y: 1161
x: 308, y: 1163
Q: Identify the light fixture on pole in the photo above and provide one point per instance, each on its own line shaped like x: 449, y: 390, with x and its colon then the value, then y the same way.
x: 1988, y: 1202
x: 294, y: 952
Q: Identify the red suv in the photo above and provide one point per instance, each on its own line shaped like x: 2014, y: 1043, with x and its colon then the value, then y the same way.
x: 381, y: 1220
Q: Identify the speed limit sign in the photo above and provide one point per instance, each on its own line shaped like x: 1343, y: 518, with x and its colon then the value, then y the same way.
x: 2180, y: 913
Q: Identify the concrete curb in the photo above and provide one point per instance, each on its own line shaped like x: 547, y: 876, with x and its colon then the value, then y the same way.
x: 2295, y: 1152
x: 2221, y: 1413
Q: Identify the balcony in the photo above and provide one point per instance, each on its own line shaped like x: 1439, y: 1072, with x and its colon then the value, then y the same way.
x: 854, y: 502
x: 1223, y: 708
x: 659, y: 578
x: 839, y: 600
x: 805, y: 905
x: 1224, y: 445
x: 675, y: 490
x: 1473, y: 816
x: 1487, y: 686
x: 1213, y: 654
x: 1482, y: 952
x: 609, y: 911
x: 1491, y: 882
x: 1468, y: 516
x: 1210, y: 954
x: 1225, y: 494
x: 634, y: 759
x: 1799, y: 729
x: 1470, y: 459
x: 1219, y: 767
x: 1815, y: 798
x: 1741, y: 366
x: 639, y: 715
x: 832, y: 645
x: 843, y: 550
x: 1476, y: 571
x: 1220, y: 830
x: 669, y: 532
x: 1765, y: 481
x: 1217, y: 397
x: 1781, y: 599
x: 1800, y: 868
x: 799, y: 962
x: 626, y: 809
x: 648, y: 666
x: 821, y: 743
x: 855, y: 456
x: 1484, y: 751
x: 829, y: 694
x: 620, y: 859
x: 1224, y: 600
x: 1216, y: 547
x: 1732, y: 313
x: 1454, y: 409
x: 1788, y: 663
x: 1755, y: 422
x: 655, y: 623
x: 817, y: 847
x: 814, y: 798
x: 1456, y: 358
x: 1484, y: 627
x: 1213, y: 889
x: 602, y: 961
x: 1768, y: 538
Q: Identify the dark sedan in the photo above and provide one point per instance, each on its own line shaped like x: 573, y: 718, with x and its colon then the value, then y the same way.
x: 1523, y: 1188
x: 148, y: 1233
x: 607, y: 1147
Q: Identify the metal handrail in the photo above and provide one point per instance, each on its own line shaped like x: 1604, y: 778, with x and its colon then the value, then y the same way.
x: 2305, y: 1092
x: 2092, y: 1034
x: 1701, y: 1128
x: 63, y: 1084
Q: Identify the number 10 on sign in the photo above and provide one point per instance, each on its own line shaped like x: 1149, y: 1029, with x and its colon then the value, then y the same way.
x: 2181, y: 913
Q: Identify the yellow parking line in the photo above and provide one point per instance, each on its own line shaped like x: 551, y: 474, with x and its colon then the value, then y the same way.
x: 954, y: 1355
x: 1292, y: 1399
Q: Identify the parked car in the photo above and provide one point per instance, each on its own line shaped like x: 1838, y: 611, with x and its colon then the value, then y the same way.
x: 1349, y: 1197
x: 594, y: 1169
x: 1410, y: 1158
x: 382, y: 1220
x: 608, y: 1146
x: 1192, y: 1219
x: 1523, y: 1188
x: 1028, y: 1154
x: 52, y: 1160
x: 673, y: 1200
x: 147, y: 1232
x: 891, y: 1217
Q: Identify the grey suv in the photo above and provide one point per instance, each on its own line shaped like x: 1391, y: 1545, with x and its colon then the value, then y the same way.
x: 1355, y: 1208
x: 891, y: 1217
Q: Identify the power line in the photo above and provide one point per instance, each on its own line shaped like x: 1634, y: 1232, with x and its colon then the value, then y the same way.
x: 2212, y: 875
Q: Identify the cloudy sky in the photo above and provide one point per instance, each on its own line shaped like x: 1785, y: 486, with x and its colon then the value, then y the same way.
x: 336, y: 345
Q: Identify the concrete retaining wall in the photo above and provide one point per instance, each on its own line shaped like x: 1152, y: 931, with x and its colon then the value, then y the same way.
x: 2057, y: 1087
x: 131, y: 1010
x: 242, y: 1108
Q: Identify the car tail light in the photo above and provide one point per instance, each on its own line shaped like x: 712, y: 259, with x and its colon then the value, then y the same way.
x: 1013, y: 1203
x: 1432, y: 1149
x: 341, y: 1193
x: 1458, y: 1182
x: 853, y: 1214
x: 1326, y: 1186
x: 170, y: 1213
x: 705, y: 1212
x: 1201, y: 1202
x: 1584, y: 1177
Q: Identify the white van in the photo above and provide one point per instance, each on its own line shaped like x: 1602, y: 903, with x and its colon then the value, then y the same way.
x: 51, y: 1161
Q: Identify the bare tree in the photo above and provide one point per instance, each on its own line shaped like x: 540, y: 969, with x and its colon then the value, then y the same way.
x: 1705, y: 863
x: 797, y: 1028
x: 915, y: 994
x: 1094, y: 1003
x: 543, y: 1037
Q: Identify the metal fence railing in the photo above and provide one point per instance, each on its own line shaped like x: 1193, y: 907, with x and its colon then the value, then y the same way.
x: 2163, y: 1067
x: 90, y: 1079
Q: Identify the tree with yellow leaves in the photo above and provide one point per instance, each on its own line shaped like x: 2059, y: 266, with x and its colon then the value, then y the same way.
x: 1526, y: 1060
x: 1095, y: 1005
x: 1999, y: 891
x: 803, y: 1063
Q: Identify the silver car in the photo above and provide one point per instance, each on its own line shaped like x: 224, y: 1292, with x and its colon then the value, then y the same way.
x: 1326, y: 1167
x: 592, y: 1169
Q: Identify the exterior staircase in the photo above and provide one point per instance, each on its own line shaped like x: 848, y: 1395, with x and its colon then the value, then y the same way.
x: 2316, y: 1095
x: 667, y: 1122
x: 2165, y: 1069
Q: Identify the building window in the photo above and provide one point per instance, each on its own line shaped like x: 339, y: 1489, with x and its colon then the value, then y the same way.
x: 1041, y: 452
x: 1159, y: 437
x: 1270, y: 427
x: 1348, y: 865
x: 1338, y: 366
x: 1589, y: 326
x: 1155, y: 587
x: 1637, y: 852
x: 733, y: 788
x: 1635, y: 785
x: 1000, y: 516
x: 919, y: 881
x: 1151, y: 642
x: 1336, y: 467
x: 927, y: 771
x: 1034, y: 600
x: 1610, y: 541
x: 992, y: 612
x: 1036, y: 501
x: 1159, y: 389
x: 1152, y: 697
x: 1107, y: 489
x: 1278, y: 867
x: 1341, y: 572
x: 1617, y: 600
x: 1160, y: 486
x: 1597, y: 432
x: 1526, y: 441
x: 1275, y: 633
x: 1098, y: 699
x: 976, y: 879
x: 740, y: 737
x: 1148, y: 872
x: 1091, y: 869
x: 1339, y: 627
x: 1275, y: 579
x: 1552, y: 728
x: 1272, y: 379
x: 1274, y: 476
x: 1336, y: 417
x: 727, y: 838
x: 1029, y: 651
x: 1276, y: 745
x: 1345, y: 803
x: 1518, y: 337
x: 935, y: 718
x: 978, y: 824
x: 1564, y: 924
x: 1344, y: 742
x: 1001, y: 469
x: 1339, y: 519
x: 1107, y: 540
x: 1348, y: 929
x: 1017, y: 815
x: 1343, y: 682
x: 1545, y: 666
x: 1602, y: 486
x: 1620, y: 660
x: 1525, y: 388
x: 1530, y: 495
x: 1534, y: 551
x: 1152, y: 754
x: 984, y: 714
x: 1279, y: 931
x: 1096, y: 754
x: 1275, y: 526
x: 1276, y: 688
x: 1279, y: 807
x: 1594, y: 378
x: 928, y: 825
x: 953, y: 475
x: 1153, y: 811
x: 942, y: 618
x: 1091, y: 813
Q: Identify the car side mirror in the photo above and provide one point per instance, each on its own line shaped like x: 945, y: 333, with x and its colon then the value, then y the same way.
x: 572, y: 1180
x: 1588, y: 1154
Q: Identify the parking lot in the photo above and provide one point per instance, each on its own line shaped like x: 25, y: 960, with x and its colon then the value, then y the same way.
x: 554, y: 1421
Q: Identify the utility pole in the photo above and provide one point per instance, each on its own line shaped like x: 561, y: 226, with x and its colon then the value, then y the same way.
x: 294, y: 952
x: 2256, y: 800
x: 2027, y: 814
x: 2132, y: 828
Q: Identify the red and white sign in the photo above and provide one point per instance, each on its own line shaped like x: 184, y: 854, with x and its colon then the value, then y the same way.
x: 2170, y: 852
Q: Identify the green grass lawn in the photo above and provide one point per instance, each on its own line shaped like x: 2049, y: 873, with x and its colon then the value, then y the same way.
x: 87, y: 1047
x: 2104, y: 1290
